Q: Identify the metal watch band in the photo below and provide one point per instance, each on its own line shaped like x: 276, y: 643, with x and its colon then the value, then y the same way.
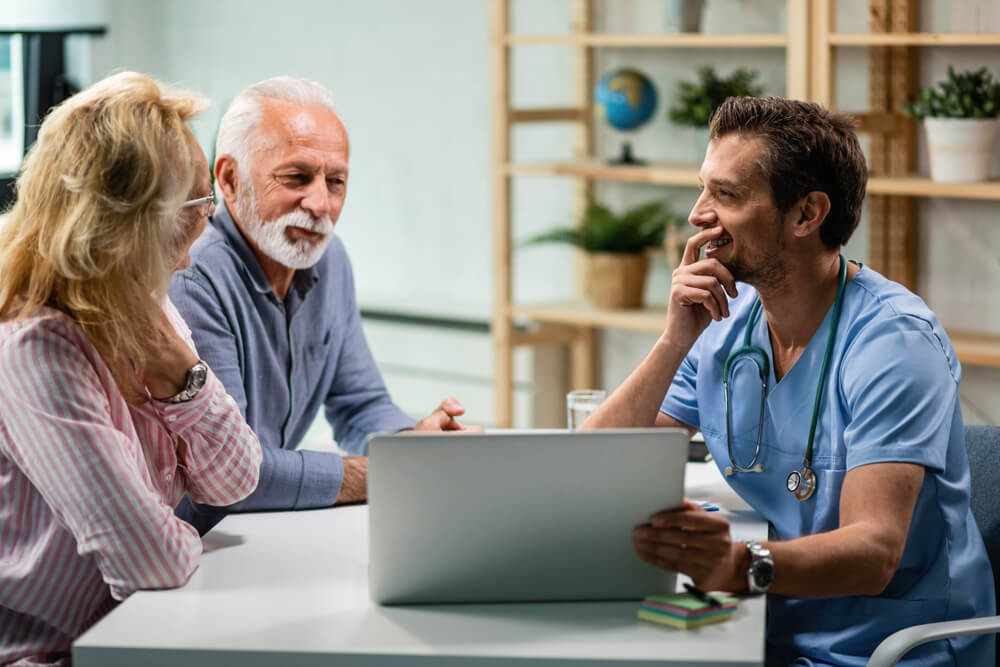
x: 761, y: 571
x: 193, y: 382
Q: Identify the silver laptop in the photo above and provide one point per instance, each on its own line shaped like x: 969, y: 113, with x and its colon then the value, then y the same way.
x: 518, y: 515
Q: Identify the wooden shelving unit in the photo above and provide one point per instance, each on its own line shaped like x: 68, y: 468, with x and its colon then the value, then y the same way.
x: 765, y: 41
x: 810, y: 44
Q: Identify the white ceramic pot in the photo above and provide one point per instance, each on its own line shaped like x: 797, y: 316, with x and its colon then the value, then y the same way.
x: 960, y: 149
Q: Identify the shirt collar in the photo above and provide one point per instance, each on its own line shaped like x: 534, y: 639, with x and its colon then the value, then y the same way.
x: 303, y: 280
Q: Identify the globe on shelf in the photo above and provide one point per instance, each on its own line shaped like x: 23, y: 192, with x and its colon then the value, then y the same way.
x: 625, y: 99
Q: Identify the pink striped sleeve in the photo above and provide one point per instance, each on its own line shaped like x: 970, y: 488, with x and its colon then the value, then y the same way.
x: 223, y: 455
x: 71, y: 436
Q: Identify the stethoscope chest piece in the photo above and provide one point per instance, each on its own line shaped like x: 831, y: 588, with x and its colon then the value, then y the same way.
x: 801, y: 483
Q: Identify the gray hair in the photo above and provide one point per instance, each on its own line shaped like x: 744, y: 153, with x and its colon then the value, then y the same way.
x: 238, y: 126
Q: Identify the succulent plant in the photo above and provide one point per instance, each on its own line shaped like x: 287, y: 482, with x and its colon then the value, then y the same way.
x: 971, y: 94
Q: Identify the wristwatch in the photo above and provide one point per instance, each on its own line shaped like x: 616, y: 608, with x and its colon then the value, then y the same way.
x: 761, y: 572
x: 193, y: 383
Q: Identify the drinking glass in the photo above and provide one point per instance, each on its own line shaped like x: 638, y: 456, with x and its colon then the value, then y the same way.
x: 581, y: 403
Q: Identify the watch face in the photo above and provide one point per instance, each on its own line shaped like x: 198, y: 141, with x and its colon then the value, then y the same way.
x: 763, y: 573
x: 199, y: 372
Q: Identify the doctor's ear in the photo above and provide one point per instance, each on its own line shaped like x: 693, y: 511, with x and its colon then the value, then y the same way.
x: 812, y: 211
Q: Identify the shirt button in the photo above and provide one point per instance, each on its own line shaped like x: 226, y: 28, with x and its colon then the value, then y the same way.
x: 169, y: 476
x: 171, y: 418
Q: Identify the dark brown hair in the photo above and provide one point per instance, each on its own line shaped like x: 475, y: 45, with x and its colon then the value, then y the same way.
x: 806, y: 148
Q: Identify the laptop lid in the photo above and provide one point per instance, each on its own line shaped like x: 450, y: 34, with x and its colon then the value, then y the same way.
x: 518, y: 515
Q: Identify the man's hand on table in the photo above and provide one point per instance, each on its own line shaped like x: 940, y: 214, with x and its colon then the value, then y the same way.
x: 443, y: 418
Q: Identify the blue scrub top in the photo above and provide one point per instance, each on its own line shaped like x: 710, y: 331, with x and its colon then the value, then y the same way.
x: 891, y: 395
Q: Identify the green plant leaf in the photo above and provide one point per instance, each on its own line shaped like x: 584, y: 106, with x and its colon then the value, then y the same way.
x: 600, y: 230
x: 696, y: 102
x: 969, y: 94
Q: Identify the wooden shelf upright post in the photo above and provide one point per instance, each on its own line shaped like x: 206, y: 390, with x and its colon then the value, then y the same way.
x: 583, y: 348
x: 502, y: 325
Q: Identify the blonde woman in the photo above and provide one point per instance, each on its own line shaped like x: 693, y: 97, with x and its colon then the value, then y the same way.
x: 107, y: 417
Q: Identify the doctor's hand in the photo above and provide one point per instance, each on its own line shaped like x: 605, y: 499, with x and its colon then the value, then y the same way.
x: 443, y: 418
x: 698, y: 290
x: 695, y: 542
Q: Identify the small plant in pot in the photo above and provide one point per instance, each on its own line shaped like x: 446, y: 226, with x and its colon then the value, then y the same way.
x: 697, y: 101
x: 960, y: 118
x: 615, y: 249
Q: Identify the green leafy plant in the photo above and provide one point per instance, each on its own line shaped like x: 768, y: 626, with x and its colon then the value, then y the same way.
x: 600, y: 230
x: 698, y: 101
x: 971, y: 94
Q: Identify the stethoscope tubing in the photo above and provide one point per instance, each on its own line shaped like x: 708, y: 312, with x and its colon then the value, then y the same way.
x: 761, y: 360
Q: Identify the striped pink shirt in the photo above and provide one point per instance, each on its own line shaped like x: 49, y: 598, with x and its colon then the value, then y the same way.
x: 88, y: 484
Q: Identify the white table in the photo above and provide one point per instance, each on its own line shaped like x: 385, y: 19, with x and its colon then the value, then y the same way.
x: 290, y: 589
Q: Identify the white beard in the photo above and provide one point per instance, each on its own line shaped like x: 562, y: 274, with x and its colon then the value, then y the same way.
x: 270, y: 235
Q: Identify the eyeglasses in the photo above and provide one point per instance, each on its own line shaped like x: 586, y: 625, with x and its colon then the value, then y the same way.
x: 207, y: 199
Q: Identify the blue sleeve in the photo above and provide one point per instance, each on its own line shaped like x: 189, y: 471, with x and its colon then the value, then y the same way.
x: 288, y: 479
x: 681, y: 401
x: 357, y: 402
x: 901, y: 393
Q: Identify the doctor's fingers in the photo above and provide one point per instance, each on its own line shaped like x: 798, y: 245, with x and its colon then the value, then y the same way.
x: 692, y: 249
x: 690, y: 517
x: 666, y: 542
x: 708, y: 267
x: 703, y: 290
x: 691, y: 562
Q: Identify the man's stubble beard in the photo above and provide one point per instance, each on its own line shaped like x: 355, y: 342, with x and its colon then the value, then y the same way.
x: 763, y: 272
x: 269, y: 236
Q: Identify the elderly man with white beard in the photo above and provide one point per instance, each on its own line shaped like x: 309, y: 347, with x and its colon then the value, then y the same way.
x: 270, y: 301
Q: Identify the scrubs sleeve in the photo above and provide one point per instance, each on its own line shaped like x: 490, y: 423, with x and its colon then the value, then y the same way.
x: 900, y: 388
x: 681, y: 401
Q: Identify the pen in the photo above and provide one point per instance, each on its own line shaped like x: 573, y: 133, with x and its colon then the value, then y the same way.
x: 702, y: 595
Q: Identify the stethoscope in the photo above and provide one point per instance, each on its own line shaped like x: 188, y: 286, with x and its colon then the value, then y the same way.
x: 801, y: 483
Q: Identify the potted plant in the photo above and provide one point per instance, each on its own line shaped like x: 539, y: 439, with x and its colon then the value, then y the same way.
x: 960, y: 118
x: 698, y: 100
x: 615, y: 249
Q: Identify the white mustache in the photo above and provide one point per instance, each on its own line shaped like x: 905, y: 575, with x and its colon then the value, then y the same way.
x: 303, y: 220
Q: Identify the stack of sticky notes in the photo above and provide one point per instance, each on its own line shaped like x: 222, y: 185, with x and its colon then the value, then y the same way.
x: 684, y: 610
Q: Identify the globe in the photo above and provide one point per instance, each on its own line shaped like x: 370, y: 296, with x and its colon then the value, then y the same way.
x: 625, y: 99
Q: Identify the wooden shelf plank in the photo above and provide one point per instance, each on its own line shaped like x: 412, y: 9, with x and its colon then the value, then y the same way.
x: 650, y: 319
x: 922, y: 186
x: 975, y: 349
x: 573, y: 114
x: 683, y: 40
x: 914, y: 39
x: 686, y: 174
x: 661, y: 173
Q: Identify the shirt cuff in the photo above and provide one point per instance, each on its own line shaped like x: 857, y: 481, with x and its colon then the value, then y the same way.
x: 322, y: 476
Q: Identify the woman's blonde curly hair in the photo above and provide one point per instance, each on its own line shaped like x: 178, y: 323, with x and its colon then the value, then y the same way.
x: 94, y: 230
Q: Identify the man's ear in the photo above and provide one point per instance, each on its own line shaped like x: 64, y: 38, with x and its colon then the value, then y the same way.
x: 811, y: 211
x: 227, y: 177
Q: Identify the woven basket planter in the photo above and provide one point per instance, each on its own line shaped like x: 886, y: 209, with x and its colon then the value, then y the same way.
x: 614, y: 280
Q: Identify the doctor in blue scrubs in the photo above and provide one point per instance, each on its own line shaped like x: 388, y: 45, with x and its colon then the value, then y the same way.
x: 827, y: 395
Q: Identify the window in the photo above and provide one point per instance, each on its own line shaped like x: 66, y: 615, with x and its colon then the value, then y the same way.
x: 11, y: 104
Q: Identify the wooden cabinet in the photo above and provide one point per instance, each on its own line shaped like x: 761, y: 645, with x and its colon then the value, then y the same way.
x: 810, y: 43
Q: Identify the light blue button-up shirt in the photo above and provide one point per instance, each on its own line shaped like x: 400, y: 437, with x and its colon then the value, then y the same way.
x: 891, y: 395
x: 282, y: 361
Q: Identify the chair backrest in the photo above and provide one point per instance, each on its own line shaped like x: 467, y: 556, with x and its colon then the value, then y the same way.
x: 983, y: 446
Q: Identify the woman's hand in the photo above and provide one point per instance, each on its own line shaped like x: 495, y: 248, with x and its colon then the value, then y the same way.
x: 165, y: 371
